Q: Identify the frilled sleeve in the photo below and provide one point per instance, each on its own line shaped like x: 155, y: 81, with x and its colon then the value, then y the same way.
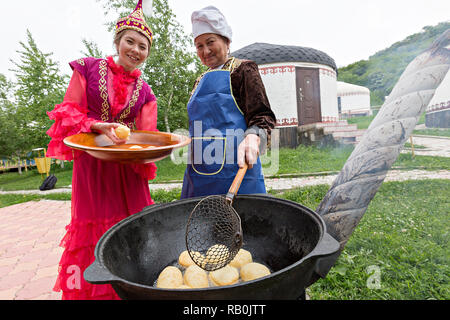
x: 70, y: 118
x: 147, y: 120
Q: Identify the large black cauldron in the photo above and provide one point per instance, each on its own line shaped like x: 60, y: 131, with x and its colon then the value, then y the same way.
x: 286, y: 236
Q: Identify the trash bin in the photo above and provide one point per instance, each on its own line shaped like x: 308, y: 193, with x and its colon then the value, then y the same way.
x: 42, y: 162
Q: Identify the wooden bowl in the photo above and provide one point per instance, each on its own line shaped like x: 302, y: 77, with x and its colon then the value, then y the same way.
x: 152, y: 146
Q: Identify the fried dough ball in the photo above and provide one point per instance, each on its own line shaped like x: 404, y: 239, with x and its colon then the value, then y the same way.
x: 123, y: 132
x: 196, y: 277
x: 217, y: 254
x: 254, y: 270
x: 185, y: 259
x: 242, y: 258
x: 225, y: 276
x: 170, y: 278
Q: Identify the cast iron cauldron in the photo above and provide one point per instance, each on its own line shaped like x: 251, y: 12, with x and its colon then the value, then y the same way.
x: 286, y: 236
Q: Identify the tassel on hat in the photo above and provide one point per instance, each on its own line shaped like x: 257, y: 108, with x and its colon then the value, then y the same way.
x: 147, y: 8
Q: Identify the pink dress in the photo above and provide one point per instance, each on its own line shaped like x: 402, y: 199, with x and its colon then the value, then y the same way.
x: 103, y: 193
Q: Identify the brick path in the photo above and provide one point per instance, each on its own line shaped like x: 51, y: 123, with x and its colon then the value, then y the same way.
x: 30, y: 234
x: 434, y: 146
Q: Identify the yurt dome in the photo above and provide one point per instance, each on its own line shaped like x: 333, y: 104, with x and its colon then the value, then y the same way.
x: 353, y: 100
x: 300, y: 83
x: 438, y: 110
x: 344, y: 89
x: 265, y: 53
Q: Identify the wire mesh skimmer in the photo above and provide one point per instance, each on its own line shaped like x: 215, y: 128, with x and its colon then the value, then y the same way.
x: 213, y: 231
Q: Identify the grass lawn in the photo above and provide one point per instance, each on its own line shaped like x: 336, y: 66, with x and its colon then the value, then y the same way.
x: 303, y: 160
x: 11, y: 199
x: 159, y: 196
x: 364, y: 122
x: 32, y: 179
x: 433, y: 132
x: 399, y: 250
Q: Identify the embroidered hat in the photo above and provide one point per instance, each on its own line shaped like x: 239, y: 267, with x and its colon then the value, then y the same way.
x: 210, y: 20
x: 136, y: 21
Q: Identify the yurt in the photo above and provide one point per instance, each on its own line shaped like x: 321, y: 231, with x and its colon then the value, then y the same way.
x: 438, y: 110
x: 300, y: 83
x: 352, y: 100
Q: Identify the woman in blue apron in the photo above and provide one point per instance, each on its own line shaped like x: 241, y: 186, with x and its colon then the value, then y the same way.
x: 229, y: 114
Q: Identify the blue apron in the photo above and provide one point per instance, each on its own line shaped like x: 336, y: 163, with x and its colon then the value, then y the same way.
x: 216, y: 126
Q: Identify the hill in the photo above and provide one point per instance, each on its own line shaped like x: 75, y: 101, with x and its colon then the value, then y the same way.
x: 382, y: 70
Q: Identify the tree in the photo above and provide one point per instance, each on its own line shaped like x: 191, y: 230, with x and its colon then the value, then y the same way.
x: 6, y: 97
x: 172, y: 66
x: 12, y: 138
x: 38, y: 87
x: 7, y: 116
x: 92, y: 49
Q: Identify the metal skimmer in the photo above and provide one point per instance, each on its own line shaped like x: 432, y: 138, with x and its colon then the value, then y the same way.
x: 213, y: 231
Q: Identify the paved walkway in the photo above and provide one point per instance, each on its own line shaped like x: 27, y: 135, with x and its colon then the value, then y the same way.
x: 434, y: 146
x: 30, y: 232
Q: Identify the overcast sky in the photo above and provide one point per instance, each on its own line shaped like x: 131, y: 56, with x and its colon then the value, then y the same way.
x: 347, y: 30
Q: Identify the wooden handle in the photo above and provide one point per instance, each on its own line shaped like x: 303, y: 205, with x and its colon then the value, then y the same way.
x: 238, y: 180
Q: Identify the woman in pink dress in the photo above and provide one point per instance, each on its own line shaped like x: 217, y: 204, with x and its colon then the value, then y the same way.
x: 103, y: 94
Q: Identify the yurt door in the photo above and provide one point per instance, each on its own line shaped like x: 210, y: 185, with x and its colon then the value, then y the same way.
x: 308, y: 95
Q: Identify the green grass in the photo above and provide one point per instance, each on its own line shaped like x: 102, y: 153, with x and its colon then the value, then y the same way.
x: 11, y: 199
x: 309, y: 159
x: 309, y: 196
x: 362, y: 122
x: 159, y: 196
x: 32, y: 179
x: 169, y: 171
x: 306, y: 159
x: 406, y: 161
x: 300, y: 161
x: 404, y: 234
x: 433, y: 132
x: 416, y: 146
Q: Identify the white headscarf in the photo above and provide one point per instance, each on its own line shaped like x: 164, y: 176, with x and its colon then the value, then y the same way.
x: 210, y: 20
